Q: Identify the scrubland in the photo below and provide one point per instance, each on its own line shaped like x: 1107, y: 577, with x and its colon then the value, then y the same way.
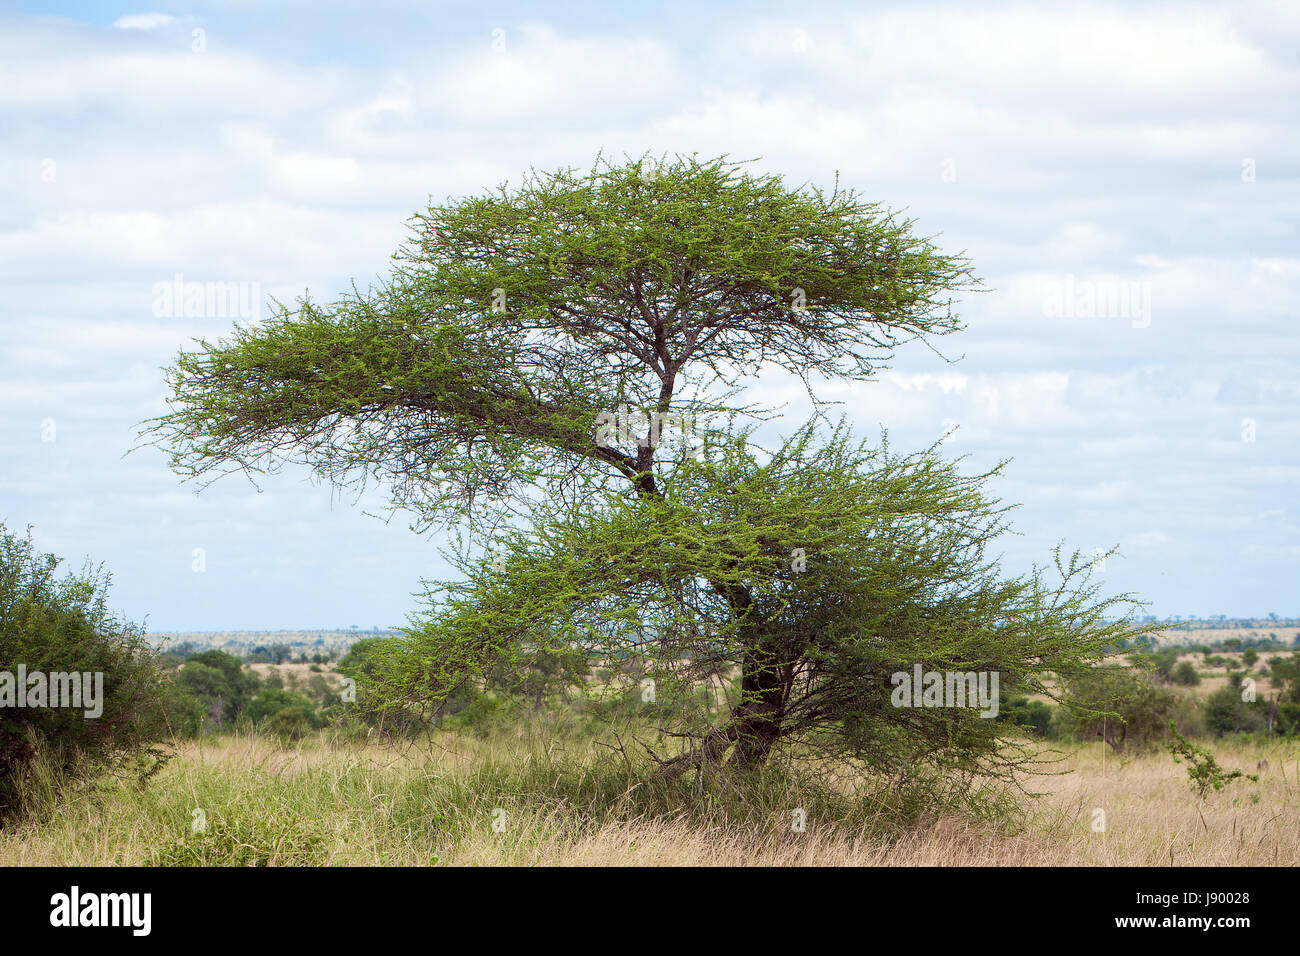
x: 531, y: 798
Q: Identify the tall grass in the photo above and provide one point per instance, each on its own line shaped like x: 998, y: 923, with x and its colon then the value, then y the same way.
x: 526, y: 799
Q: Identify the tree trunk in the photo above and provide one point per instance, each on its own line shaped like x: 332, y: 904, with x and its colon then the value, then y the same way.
x: 753, y: 728
x: 757, y: 718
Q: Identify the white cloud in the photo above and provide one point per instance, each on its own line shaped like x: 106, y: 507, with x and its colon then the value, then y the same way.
x: 1096, y: 141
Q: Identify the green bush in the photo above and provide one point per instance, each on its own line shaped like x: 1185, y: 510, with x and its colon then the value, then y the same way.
x: 1184, y: 674
x: 1165, y: 662
x: 221, y: 684
x: 363, y: 664
x: 292, y: 723
x: 1033, y: 715
x: 270, y: 702
x: 60, y: 625
x: 1120, y: 704
x: 362, y: 661
x: 481, y: 714
x: 1288, y: 718
x: 1227, y: 713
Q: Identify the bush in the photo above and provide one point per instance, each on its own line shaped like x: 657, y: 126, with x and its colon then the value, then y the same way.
x: 1119, y: 704
x: 482, y: 714
x: 1227, y: 713
x: 270, y: 702
x: 1288, y: 718
x: 363, y: 658
x: 364, y: 664
x: 291, y: 723
x: 1184, y: 674
x: 61, y: 625
x: 221, y: 685
x: 1165, y: 662
x: 1033, y: 715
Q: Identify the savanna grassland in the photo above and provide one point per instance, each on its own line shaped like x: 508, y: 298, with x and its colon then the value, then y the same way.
x: 528, y: 798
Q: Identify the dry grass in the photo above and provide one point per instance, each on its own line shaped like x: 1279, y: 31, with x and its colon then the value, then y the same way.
x: 361, y: 804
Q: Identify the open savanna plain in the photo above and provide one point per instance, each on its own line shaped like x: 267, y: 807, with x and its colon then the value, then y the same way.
x: 523, y: 799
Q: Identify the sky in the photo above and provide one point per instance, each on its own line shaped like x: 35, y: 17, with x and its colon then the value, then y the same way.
x: 1125, y: 178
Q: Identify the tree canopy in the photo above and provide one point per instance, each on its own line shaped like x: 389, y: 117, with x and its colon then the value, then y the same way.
x: 521, y: 370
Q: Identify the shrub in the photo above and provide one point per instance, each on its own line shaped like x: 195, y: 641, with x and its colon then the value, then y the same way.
x: 363, y: 658
x: 363, y: 664
x: 1203, y: 770
x: 51, y: 624
x: 291, y: 723
x: 481, y: 714
x: 1119, y: 704
x: 270, y: 702
x: 1226, y: 712
x: 220, y: 683
x: 1033, y: 715
x: 1184, y: 674
x: 1165, y: 662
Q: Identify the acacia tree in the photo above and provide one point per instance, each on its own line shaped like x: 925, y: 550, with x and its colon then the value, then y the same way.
x: 490, y: 380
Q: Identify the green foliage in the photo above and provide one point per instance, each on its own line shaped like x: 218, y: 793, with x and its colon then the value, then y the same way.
x: 1226, y: 713
x: 482, y: 714
x: 1285, y: 672
x: 1185, y: 675
x: 362, y: 659
x: 1034, y: 715
x: 52, y: 624
x: 1164, y: 663
x: 362, y: 664
x: 221, y: 685
x: 1203, y: 769
x: 293, y: 722
x: 268, y: 702
x: 424, y: 382
x: 544, y: 672
x: 1121, y: 705
x: 897, y: 540
x: 477, y: 382
x: 1288, y: 718
x: 282, y: 838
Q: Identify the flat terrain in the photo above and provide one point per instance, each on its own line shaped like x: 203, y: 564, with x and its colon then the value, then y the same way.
x: 318, y: 803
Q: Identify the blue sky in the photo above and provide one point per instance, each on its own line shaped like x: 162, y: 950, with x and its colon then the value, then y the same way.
x: 1124, y: 176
